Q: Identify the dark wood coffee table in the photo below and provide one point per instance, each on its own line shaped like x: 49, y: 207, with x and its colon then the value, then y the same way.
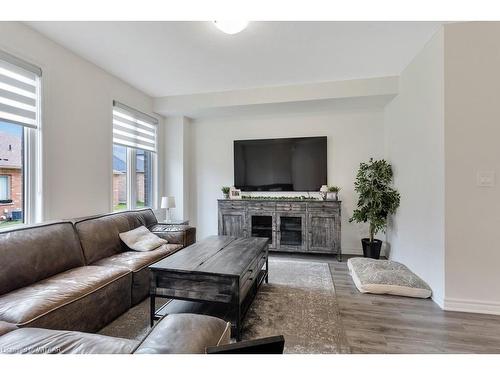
x: 218, y: 276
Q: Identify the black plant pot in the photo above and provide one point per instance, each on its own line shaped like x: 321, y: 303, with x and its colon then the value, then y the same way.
x: 371, y: 249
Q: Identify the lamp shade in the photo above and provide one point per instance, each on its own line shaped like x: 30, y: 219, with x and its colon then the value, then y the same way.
x: 167, y: 202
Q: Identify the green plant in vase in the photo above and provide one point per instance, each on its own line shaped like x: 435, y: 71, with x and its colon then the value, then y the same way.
x: 333, y: 192
x: 225, y: 190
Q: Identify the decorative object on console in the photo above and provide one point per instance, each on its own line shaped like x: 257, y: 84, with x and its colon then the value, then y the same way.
x: 225, y: 190
x: 333, y: 192
x: 277, y: 198
x: 234, y: 193
x: 323, y: 192
x: 168, y: 203
x: 377, y: 200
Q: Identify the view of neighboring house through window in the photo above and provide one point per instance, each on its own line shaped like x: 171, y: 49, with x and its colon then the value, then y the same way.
x: 144, y: 178
x: 19, y: 127
x: 120, y: 169
x: 11, y: 174
x: 134, y: 156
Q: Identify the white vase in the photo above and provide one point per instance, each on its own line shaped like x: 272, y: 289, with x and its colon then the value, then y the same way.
x: 332, y: 196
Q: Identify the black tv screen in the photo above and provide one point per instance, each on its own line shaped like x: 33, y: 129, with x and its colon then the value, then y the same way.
x: 282, y: 164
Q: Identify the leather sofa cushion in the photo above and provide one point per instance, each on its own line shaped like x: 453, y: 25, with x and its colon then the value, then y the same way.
x: 136, y: 260
x: 99, y: 235
x: 185, y: 334
x: 33, y: 253
x: 29, y: 303
x: 46, y: 341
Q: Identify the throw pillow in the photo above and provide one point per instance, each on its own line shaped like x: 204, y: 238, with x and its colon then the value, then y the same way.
x: 141, y: 239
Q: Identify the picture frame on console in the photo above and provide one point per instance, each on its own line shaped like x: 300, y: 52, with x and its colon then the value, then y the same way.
x: 234, y: 193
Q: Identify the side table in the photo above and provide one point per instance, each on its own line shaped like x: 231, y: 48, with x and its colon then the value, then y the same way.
x: 175, y: 233
x: 174, y: 222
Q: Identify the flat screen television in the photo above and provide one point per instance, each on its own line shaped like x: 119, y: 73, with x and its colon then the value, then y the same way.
x: 281, y: 164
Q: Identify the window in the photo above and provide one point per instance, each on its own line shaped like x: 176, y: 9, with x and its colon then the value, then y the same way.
x: 5, y: 189
x: 19, y: 136
x: 134, y: 158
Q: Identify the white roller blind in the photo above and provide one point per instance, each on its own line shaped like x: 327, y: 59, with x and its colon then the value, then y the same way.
x: 19, y: 91
x: 132, y: 128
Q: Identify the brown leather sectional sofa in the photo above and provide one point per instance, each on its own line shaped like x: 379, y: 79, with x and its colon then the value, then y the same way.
x: 77, y: 275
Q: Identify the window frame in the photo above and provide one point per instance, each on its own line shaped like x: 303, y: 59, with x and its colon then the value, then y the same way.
x: 32, y: 183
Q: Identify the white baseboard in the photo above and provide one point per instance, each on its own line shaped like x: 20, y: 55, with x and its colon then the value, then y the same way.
x: 352, y: 251
x: 472, y: 306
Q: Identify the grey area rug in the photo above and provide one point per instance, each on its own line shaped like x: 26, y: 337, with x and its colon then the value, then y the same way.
x: 299, y: 303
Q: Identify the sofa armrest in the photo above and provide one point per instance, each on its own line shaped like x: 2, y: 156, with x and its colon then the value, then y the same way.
x: 6, y: 327
x: 185, y: 334
x: 176, y: 234
x: 267, y: 345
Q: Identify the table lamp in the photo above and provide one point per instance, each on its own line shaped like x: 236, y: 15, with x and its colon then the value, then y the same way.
x: 168, y: 203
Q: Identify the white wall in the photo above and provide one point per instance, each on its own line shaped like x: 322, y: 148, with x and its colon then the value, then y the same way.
x: 472, y: 139
x: 77, y: 130
x: 353, y: 136
x: 414, y: 144
x: 177, y: 150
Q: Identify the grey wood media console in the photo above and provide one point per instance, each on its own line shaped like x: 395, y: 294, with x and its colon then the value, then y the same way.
x: 291, y: 225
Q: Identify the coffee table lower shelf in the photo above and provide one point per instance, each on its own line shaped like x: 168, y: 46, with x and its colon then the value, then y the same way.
x: 225, y: 311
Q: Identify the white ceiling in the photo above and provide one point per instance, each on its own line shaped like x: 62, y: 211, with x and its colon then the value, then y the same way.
x: 174, y: 58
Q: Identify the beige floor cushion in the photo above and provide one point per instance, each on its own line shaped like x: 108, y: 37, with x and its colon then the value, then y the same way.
x: 386, y: 277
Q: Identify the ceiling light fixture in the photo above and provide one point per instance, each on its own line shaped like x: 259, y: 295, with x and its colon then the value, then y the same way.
x: 231, y: 27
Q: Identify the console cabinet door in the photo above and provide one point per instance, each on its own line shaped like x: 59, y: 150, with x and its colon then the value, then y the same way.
x: 322, y: 232
x: 290, y: 231
x: 232, y: 223
x: 262, y: 224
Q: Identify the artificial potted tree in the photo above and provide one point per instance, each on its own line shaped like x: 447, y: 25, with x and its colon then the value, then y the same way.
x: 377, y: 200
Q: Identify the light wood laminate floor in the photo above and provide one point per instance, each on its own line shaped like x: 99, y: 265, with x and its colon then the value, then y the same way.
x: 390, y: 324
